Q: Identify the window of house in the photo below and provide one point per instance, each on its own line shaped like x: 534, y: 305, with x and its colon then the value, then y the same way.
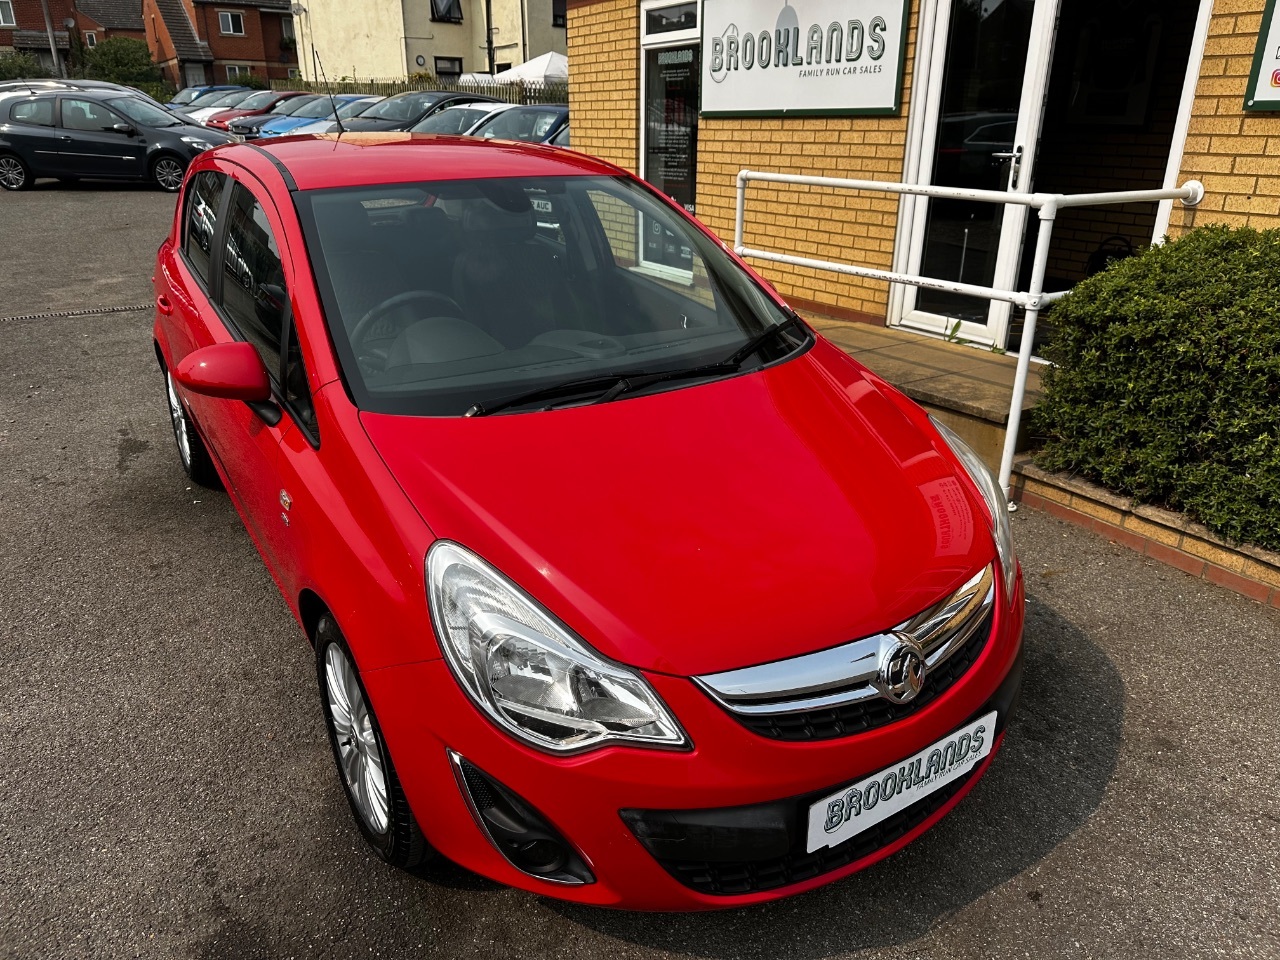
x: 499, y: 67
x: 90, y: 39
x: 449, y: 11
x: 253, y: 290
x: 231, y: 24
x: 38, y: 112
x: 294, y: 73
x: 448, y: 68
x: 6, y: 14
x: 235, y: 71
x: 286, y: 27
x: 204, y: 200
x: 557, y: 13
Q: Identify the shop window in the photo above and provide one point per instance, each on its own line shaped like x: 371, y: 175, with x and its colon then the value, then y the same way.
x: 90, y: 39
x: 448, y: 69
x: 231, y: 24
x: 558, y: 13
x: 448, y: 11
x: 6, y: 14
x: 669, y: 19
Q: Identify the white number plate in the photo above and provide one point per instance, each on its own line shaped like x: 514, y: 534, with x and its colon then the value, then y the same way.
x: 848, y: 812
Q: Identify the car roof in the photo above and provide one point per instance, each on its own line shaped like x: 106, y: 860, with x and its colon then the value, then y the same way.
x: 365, y: 159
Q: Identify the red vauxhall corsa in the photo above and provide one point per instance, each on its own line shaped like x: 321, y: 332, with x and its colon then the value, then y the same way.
x: 264, y: 101
x: 625, y: 587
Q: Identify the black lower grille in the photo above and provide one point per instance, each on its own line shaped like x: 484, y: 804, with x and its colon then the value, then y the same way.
x: 796, y: 866
x: 866, y: 715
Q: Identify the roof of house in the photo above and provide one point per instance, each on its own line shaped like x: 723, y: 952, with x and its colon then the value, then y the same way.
x: 186, y: 44
x: 271, y: 6
x: 38, y: 40
x: 114, y: 14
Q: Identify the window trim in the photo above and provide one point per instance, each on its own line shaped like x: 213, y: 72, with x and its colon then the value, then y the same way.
x: 241, y: 70
x: 230, y: 15
x: 90, y: 39
x: 12, y: 21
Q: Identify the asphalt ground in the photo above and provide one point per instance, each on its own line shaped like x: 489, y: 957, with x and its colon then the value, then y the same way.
x: 166, y: 789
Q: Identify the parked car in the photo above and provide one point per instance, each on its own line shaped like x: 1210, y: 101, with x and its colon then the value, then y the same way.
x: 98, y: 135
x: 561, y: 139
x: 247, y: 128
x: 20, y: 87
x: 184, y: 97
x: 260, y: 103
x: 322, y: 108
x: 404, y: 110
x: 458, y: 118
x: 622, y: 589
x: 529, y: 124
x: 200, y: 112
x: 346, y: 112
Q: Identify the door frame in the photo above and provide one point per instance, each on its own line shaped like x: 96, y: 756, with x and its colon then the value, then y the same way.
x: 923, y: 121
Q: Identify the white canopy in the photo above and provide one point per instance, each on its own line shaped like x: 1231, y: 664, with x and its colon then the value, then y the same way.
x: 550, y: 67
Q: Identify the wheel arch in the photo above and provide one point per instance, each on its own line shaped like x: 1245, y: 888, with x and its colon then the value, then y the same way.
x: 310, y: 609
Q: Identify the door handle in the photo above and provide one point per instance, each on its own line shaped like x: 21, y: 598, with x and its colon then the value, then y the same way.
x: 1014, y: 155
x: 65, y: 139
x: 163, y: 305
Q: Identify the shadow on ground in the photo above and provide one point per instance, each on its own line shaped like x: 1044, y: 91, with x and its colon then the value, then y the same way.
x: 1058, y: 757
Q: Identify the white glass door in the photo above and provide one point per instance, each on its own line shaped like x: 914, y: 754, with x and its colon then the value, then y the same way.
x: 982, y: 122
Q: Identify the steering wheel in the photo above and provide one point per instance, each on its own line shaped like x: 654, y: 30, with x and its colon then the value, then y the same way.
x: 443, y: 307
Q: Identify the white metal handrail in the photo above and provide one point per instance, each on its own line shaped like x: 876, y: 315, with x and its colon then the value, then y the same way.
x: 1033, y: 300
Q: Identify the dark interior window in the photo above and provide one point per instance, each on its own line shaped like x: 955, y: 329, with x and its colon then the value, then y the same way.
x: 253, y: 290
x: 296, y: 392
x: 558, y: 13
x: 447, y: 10
x: 39, y: 112
x: 87, y: 115
x: 448, y: 68
x: 204, y: 199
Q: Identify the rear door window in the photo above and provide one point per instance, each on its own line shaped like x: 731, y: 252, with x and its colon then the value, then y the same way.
x: 204, y: 200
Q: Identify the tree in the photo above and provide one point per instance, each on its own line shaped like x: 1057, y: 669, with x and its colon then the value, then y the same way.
x: 21, y: 66
x: 122, y: 60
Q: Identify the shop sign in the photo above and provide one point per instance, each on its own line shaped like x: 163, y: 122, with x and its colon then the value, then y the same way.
x: 763, y: 58
x: 1263, y: 92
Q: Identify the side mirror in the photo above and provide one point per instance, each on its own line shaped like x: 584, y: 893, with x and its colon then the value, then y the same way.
x: 230, y: 371
x: 123, y: 128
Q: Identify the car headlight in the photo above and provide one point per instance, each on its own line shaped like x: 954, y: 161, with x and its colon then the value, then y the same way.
x: 530, y: 674
x: 989, y: 487
x: 197, y: 142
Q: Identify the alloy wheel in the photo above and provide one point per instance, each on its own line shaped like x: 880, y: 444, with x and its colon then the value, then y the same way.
x: 359, y: 752
x: 180, y: 426
x: 168, y: 173
x: 12, y: 174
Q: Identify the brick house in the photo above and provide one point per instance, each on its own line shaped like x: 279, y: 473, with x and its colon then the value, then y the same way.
x: 22, y: 28
x: 212, y: 41
x: 1059, y: 96
x: 99, y: 20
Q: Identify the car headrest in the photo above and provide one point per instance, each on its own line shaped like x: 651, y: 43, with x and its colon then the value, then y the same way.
x: 344, y: 224
x: 485, y: 222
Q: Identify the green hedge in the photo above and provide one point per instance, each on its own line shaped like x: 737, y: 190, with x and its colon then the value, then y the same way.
x: 1166, y: 384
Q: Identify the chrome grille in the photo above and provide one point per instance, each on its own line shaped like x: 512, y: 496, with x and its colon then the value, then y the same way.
x: 840, y: 691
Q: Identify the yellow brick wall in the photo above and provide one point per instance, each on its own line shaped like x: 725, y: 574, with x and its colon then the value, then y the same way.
x: 1236, y: 154
x: 604, y: 82
x: 813, y: 222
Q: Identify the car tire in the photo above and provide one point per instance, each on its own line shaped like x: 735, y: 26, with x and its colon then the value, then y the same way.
x: 167, y: 171
x: 194, y: 456
x: 14, y: 174
x: 361, y: 756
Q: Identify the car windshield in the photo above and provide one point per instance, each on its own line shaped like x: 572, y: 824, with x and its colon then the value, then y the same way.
x: 446, y: 295
x: 317, y: 109
x: 207, y: 99
x: 355, y: 108
x: 404, y: 107
x: 287, y: 108
x: 143, y: 113
x: 232, y: 99
x: 529, y: 124
x: 187, y: 95
x: 258, y: 100
x: 450, y: 120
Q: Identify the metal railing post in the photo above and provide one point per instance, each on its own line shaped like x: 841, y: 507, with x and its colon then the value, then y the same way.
x: 1048, y: 214
x: 740, y: 216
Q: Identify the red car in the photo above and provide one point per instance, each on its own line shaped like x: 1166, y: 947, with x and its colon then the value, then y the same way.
x: 264, y: 101
x: 625, y: 587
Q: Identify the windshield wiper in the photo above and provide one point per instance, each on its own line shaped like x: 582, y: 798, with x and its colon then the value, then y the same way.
x: 753, y: 345
x: 610, y: 386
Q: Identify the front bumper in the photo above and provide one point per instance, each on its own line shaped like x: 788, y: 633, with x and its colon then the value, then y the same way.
x: 424, y: 715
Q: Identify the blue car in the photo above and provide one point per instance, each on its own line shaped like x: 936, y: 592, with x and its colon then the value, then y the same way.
x: 320, y: 109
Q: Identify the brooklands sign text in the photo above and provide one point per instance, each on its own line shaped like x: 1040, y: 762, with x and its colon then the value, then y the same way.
x: 768, y: 57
